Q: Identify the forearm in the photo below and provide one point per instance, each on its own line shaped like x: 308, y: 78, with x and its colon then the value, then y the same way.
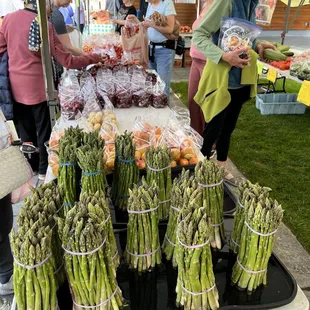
x: 74, y: 51
x: 164, y: 30
x: 120, y: 22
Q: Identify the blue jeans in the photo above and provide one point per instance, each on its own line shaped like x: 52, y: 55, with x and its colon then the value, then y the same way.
x: 163, y: 64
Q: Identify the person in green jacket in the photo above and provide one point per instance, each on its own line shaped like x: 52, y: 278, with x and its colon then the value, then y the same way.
x: 226, y: 83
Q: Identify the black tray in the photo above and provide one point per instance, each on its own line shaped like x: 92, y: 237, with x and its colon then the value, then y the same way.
x: 155, y: 290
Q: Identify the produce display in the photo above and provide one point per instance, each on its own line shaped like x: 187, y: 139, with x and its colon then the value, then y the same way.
x: 236, y: 34
x: 196, y: 288
x: 261, y: 222
x: 101, y: 17
x: 158, y: 170
x: 185, y: 189
x: 37, y: 259
x: 88, y: 258
x: 300, y: 66
x: 126, y: 172
x: 185, y: 29
x: 279, y: 55
x: 143, y: 248
x: 67, y: 174
x: 210, y: 179
x: 247, y: 193
x: 107, y: 43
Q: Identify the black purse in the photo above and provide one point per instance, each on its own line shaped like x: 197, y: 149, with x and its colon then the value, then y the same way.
x: 180, y: 46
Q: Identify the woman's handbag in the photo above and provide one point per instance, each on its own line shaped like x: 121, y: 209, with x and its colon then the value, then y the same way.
x: 15, y: 170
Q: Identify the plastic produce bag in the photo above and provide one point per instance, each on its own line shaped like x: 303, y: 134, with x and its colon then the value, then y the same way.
x: 108, y: 132
x: 300, y: 66
x: 105, y: 84
x: 123, y: 93
x: 160, y: 98
x: 71, y: 101
x: 237, y: 33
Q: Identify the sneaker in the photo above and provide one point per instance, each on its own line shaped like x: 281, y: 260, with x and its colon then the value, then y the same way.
x: 7, y: 288
x: 42, y: 177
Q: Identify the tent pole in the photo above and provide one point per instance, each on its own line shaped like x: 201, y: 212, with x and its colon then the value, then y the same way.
x: 47, y: 61
x: 88, y: 16
x: 288, y: 10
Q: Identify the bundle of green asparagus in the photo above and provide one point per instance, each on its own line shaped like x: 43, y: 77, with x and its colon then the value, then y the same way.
x: 158, y: 170
x: 196, y: 287
x: 90, y: 159
x: 246, y: 193
x: 34, y: 265
x: 103, y: 203
x: 126, y: 172
x: 143, y: 249
x: 67, y: 174
x: 185, y: 189
x: 47, y: 201
x: 88, y: 258
x: 210, y: 177
x: 262, y: 220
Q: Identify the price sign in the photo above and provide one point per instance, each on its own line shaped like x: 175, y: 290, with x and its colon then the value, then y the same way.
x: 304, y: 93
x: 260, y: 67
x: 272, y: 75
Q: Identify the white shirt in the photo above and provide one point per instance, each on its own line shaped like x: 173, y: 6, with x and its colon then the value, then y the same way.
x: 10, y: 6
x: 82, y: 12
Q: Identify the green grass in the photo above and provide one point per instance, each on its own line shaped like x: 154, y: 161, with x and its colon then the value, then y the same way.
x: 274, y: 150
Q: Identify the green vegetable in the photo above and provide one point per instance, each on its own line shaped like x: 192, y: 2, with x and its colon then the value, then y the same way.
x: 158, y: 170
x: 263, y: 216
x: 273, y: 55
x: 283, y: 48
x: 210, y: 178
x: 92, y: 276
x: 142, y: 231
x: 126, y: 172
x: 247, y: 193
x: 185, y: 189
x: 194, y: 259
x: 67, y: 173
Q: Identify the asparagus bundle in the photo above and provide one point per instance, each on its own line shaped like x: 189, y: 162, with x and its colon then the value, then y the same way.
x: 46, y: 201
x: 158, y: 163
x: 196, y: 287
x: 67, y: 174
x: 103, y: 203
x: 246, y: 192
x: 88, y: 258
x: 185, y: 189
x: 34, y: 265
x: 262, y: 220
x: 210, y: 177
x: 90, y: 159
x: 126, y: 172
x: 143, y: 248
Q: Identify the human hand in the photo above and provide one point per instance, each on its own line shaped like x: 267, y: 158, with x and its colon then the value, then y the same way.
x: 233, y: 58
x: 104, y: 57
x: 261, y: 47
x: 147, y: 24
x: 132, y: 19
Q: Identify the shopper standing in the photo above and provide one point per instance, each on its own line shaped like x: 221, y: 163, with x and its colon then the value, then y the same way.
x: 68, y: 14
x: 198, y: 63
x: 233, y: 86
x: 80, y: 12
x: 126, y: 9
x: 20, y: 37
x: 161, y: 50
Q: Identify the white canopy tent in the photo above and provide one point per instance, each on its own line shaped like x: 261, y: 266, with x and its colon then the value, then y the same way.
x: 9, y: 6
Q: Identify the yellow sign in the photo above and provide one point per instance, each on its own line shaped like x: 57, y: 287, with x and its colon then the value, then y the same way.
x: 304, y: 93
x: 260, y: 67
x: 272, y: 75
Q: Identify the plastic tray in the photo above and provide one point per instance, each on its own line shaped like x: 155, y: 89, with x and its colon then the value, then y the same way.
x: 279, y: 104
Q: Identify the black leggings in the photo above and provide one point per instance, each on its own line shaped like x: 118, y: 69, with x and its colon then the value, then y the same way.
x: 33, y: 125
x: 221, y: 127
